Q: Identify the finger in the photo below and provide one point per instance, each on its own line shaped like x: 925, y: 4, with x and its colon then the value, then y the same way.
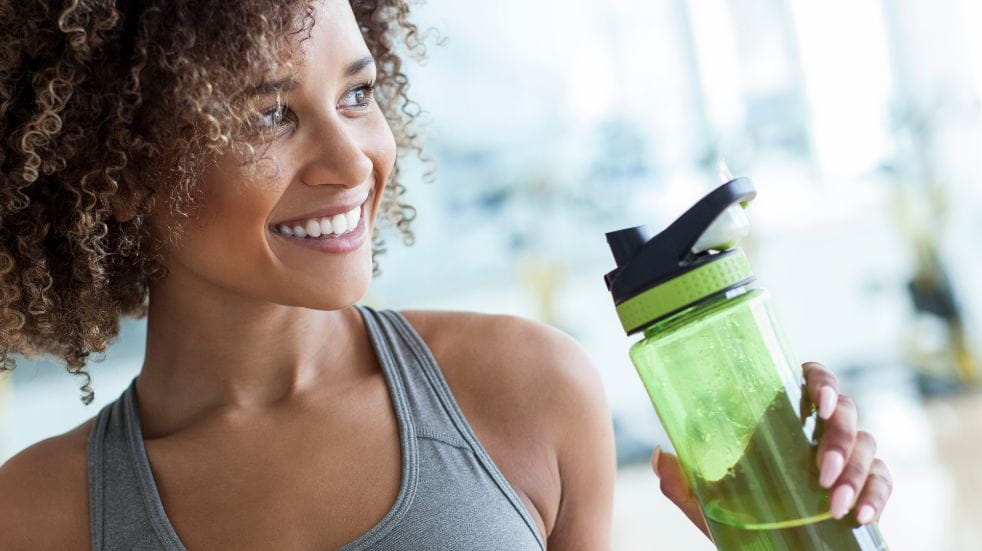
x: 823, y: 387
x: 676, y: 487
x: 837, y: 442
x: 873, y: 498
x: 853, y: 476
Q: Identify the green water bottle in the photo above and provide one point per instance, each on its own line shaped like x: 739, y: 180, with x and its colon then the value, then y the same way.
x: 724, y: 383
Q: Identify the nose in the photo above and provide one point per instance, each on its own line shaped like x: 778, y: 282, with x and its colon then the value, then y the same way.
x: 336, y: 157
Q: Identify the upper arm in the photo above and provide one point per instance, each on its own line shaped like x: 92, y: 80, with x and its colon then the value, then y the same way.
x: 44, y: 497
x: 579, y: 420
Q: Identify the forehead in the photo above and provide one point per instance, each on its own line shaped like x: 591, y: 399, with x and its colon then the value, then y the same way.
x: 335, y: 39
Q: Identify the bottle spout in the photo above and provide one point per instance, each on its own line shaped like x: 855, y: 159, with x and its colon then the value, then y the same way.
x: 730, y: 226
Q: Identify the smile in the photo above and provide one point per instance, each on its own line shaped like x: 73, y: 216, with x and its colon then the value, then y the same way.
x: 339, y: 233
x: 323, y: 227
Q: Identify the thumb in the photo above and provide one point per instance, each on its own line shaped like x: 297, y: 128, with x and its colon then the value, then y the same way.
x: 676, y: 487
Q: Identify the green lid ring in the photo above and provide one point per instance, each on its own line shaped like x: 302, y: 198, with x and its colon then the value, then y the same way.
x: 684, y: 290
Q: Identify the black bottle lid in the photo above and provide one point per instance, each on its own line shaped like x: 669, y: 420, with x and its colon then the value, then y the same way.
x: 645, y: 262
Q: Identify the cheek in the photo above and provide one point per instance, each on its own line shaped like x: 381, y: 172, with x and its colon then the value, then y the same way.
x: 382, y: 147
x: 383, y: 153
x: 229, y: 223
x: 235, y: 202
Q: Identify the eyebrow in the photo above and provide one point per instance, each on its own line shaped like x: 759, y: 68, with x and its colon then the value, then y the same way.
x: 356, y: 66
x: 289, y: 83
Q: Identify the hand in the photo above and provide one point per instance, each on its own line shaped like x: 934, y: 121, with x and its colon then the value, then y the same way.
x: 845, y: 458
x: 676, y: 487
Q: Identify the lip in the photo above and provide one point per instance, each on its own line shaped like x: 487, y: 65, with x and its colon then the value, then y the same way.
x: 321, y: 213
x: 335, y: 245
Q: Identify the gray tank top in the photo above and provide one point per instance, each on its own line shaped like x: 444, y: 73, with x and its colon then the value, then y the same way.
x: 452, y: 496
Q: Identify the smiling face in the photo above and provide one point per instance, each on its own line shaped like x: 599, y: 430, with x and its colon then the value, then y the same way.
x: 330, y: 152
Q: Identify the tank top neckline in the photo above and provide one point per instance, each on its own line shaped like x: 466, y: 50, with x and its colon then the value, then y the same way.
x: 408, y: 457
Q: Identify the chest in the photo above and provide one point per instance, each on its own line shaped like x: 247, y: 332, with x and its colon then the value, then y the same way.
x: 320, y: 476
x: 314, y: 479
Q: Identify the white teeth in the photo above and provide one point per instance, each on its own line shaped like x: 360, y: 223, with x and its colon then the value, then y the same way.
x: 351, y: 218
x: 325, y: 224
x: 322, y: 227
x: 339, y: 223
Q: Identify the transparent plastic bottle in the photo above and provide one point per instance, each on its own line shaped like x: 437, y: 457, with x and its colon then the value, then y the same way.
x: 726, y: 387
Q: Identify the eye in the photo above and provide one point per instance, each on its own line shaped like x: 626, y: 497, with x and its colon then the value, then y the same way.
x: 275, y: 116
x: 358, y: 97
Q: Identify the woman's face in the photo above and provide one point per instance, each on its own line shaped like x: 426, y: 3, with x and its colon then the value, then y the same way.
x: 331, y: 152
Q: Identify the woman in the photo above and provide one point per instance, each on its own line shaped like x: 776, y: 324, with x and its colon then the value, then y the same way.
x: 219, y: 167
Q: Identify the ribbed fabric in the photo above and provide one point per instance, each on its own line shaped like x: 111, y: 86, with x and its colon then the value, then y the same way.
x: 452, y: 496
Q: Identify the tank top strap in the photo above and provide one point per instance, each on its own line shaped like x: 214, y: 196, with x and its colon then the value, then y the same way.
x: 124, y: 507
x: 412, y: 368
x: 436, y: 414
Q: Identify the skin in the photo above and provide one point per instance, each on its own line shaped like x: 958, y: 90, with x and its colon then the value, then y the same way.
x: 247, y: 446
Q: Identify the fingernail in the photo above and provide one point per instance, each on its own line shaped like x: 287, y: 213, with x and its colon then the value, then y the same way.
x: 655, y: 461
x: 826, y: 402
x: 832, y: 465
x: 865, y: 514
x: 841, y: 500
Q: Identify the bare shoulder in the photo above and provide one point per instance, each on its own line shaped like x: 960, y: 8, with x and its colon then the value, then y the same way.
x: 536, y: 400
x: 44, y: 494
x: 508, y: 360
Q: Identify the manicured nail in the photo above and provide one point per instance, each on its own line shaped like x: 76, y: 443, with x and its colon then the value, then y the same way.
x: 832, y: 465
x: 841, y: 500
x: 655, y: 461
x: 865, y: 514
x: 826, y: 402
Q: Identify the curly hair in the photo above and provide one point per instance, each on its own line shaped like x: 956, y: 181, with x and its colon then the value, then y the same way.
x: 109, y: 105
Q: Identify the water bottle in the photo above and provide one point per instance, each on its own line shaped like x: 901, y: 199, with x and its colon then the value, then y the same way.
x: 724, y: 383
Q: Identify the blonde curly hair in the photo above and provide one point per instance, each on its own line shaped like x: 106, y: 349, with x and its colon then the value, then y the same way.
x: 109, y: 105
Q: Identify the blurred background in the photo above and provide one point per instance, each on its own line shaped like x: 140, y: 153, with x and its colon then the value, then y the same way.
x: 552, y: 122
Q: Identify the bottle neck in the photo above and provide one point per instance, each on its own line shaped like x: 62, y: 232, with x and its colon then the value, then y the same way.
x: 704, y: 305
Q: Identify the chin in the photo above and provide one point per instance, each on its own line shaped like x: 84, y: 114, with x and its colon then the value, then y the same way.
x: 340, y: 293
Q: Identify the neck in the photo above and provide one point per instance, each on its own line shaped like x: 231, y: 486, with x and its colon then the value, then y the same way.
x: 207, y: 348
